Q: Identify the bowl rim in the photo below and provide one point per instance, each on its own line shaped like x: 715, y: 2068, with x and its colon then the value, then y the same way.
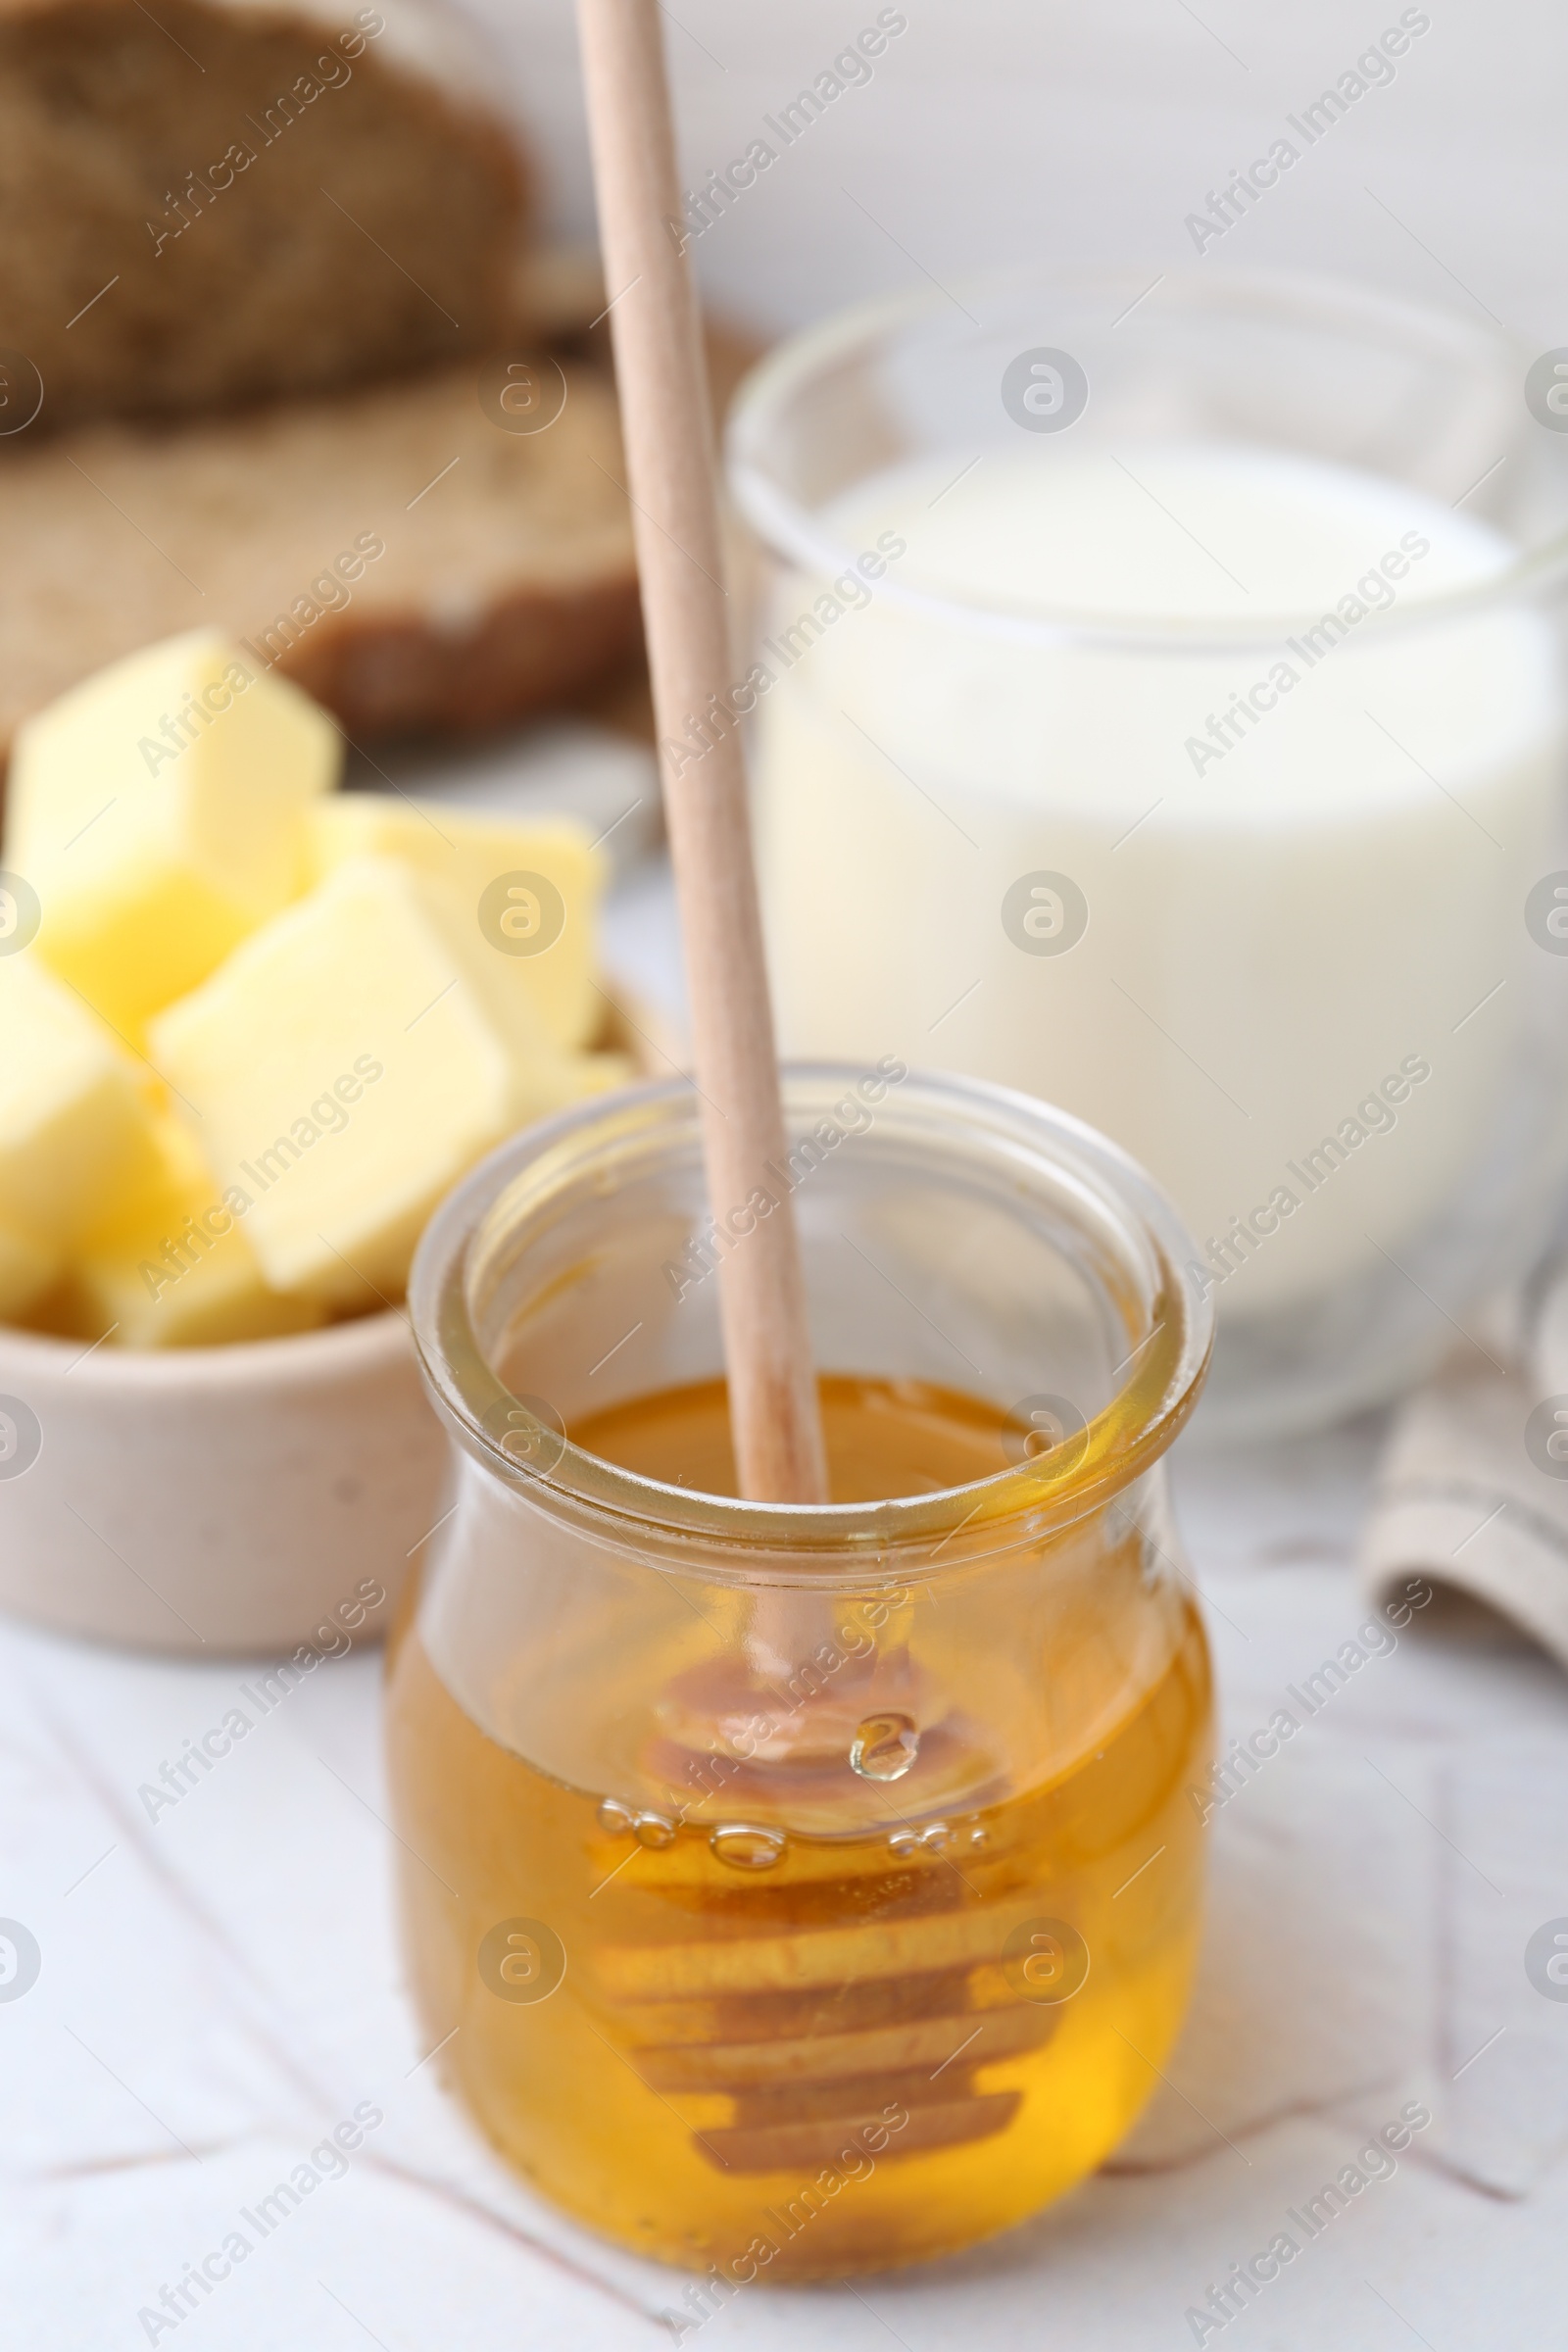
x: 291, y: 1359
x: 357, y: 1344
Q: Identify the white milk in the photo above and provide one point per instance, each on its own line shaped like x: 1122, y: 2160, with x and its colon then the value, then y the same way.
x: 1285, y: 930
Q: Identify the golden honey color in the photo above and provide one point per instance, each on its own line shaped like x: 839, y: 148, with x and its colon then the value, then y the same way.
x: 749, y: 2007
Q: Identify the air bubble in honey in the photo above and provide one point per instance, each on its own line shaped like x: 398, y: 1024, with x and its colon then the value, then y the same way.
x: 614, y: 1819
x: 651, y: 1829
x: 747, y: 1849
x: 884, y: 1747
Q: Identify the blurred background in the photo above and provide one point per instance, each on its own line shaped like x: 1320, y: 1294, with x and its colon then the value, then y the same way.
x: 1033, y: 131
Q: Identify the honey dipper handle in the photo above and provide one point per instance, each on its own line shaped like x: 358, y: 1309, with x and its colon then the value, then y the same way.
x: 668, y: 431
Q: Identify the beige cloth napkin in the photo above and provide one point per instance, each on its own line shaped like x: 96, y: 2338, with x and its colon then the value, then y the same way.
x: 1473, y: 1488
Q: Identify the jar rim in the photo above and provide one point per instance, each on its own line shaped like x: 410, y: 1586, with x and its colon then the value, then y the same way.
x: 791, y: 529
x: 1164, y: 1370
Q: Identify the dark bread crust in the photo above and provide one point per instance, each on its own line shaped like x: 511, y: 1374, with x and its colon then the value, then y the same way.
x: 575, y: 649
x: 390, y: 674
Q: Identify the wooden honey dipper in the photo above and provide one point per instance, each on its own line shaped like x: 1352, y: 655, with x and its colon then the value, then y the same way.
x: 669, y: 458
x: 809, y: 2031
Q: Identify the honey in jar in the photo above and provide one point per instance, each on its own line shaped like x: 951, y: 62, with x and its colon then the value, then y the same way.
x: 796, y: 1890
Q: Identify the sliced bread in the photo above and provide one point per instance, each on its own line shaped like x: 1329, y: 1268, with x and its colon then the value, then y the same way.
x: 506, y: 585
x: 213, y: 201
x: 397, y: 552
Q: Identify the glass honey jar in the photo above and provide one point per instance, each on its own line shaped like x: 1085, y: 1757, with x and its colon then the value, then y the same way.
x: 795, y: 1890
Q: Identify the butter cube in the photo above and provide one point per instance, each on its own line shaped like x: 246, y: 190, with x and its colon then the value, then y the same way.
x: 348, y: 1063
x: 179, y: 1271
x: 76, y: 1122
x: 27, y: 1268
x: 157, y: 812
x: 543, y: 943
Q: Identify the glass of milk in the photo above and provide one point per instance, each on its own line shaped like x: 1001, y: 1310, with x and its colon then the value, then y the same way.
x: 1159, y: 706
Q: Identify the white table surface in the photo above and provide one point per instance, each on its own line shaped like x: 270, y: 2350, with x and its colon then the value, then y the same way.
x: 221, y: 1986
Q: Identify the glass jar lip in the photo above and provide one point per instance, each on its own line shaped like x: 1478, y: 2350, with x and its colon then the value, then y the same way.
x: 791, y: 530
x: 1164, y: 1370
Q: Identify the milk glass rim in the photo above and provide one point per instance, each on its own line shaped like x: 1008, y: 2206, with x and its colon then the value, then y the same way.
x: 1018, y: 1504
x: 788, y: 528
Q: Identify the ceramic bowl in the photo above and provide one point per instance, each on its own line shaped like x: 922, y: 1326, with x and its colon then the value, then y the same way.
x: 205, y: 1500
x: 209, y: 1500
